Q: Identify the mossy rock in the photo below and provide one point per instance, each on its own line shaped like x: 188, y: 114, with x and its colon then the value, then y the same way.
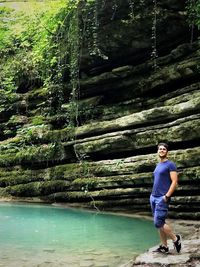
x: 33, y: 154
x: 37, y: 188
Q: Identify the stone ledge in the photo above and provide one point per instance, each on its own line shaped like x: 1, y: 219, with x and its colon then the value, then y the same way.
x: 189, y: 256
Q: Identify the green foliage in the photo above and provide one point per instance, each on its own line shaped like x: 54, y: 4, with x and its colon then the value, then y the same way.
x: 44, y: 52
x: 35, y: 47
x: 193, y: 9
x: 90, y: 17
x: 5, y: 27
x: 46, y: 48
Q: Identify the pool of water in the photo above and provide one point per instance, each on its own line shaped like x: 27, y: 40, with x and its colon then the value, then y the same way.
x: 49, y: 236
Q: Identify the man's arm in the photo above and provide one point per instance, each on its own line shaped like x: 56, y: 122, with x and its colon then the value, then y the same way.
x: 174, y: 178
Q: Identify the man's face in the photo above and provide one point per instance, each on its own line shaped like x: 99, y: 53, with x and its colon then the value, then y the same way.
x: 162, y: 152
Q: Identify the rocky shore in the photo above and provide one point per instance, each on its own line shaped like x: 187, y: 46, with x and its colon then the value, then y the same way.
x: 189, y: 256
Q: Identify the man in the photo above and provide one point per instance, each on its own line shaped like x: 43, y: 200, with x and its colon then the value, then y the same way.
x: 165, y: 182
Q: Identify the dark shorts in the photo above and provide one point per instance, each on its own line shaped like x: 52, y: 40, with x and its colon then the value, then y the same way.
x: 159, y: 210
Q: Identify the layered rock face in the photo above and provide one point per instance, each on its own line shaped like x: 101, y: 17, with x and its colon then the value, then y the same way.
x: 130, y: 100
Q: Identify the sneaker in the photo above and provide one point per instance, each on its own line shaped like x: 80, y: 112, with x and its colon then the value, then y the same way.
x: 162, y: 249
x: 177, y: 243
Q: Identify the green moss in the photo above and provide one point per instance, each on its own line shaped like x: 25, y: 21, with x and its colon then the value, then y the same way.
x: 38, y: 120
x: 10, y: 143
x: 62, y: 135
x: 85, y: 184
x: 72, y: 171
x: 41, y: 153
x: 17, y: 175
x: 17, y: 120
x: 53, y: 186
x: 30, y: 189
x: 33, y: 154
x: 67, y: 172
x: 7, y: 159
x: 37, y: 188
x: 39, y: 133
x: 3, y: 193
x: 10, y: 180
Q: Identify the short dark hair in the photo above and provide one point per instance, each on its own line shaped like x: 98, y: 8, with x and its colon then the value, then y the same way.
x: 164, y: 144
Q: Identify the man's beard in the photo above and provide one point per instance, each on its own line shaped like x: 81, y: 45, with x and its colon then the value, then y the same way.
x: 163, y: 157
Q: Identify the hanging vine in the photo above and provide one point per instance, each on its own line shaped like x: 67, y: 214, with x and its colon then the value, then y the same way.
x: 90, y: 28
x: 74, y: 62
x: 131, y: 7
x: 135, y: 6
x: 154, y: 53
x: 114, y: 9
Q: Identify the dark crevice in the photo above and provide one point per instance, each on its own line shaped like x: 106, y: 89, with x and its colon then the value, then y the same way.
x: 172, y: 86
x: 194, y: 182
x: 185, y: 208
x: 144, y: 151
x: 26, y: 165
x: 25, y: 85
x: 101, y: 66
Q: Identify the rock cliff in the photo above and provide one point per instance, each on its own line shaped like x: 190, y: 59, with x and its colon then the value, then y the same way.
x: 141, y: 87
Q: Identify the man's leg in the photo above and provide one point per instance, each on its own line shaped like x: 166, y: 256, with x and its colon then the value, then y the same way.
x: 167, y: 231
x: 163, y: 237
x: 160, y: 215
x: 175, y: 238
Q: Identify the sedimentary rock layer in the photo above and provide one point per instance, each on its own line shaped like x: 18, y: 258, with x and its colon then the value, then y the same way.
x: 128, y: 102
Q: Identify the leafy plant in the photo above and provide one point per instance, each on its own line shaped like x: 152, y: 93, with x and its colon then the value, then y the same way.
x: 5, y: 28
x: 193, y: 10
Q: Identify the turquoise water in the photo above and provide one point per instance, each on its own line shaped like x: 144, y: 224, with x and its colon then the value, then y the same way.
x: 38, y: 235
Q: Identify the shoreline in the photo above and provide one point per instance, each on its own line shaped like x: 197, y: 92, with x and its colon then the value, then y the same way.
x: 71, y: 206
x: 174, y: 222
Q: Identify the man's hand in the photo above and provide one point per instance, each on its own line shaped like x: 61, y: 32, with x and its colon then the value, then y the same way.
x: 166, y: 198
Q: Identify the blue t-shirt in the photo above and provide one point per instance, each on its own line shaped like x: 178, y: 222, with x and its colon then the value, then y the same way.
x: 162, y: 180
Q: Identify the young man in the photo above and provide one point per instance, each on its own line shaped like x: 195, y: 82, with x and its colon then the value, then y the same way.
x: 165, y: 182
